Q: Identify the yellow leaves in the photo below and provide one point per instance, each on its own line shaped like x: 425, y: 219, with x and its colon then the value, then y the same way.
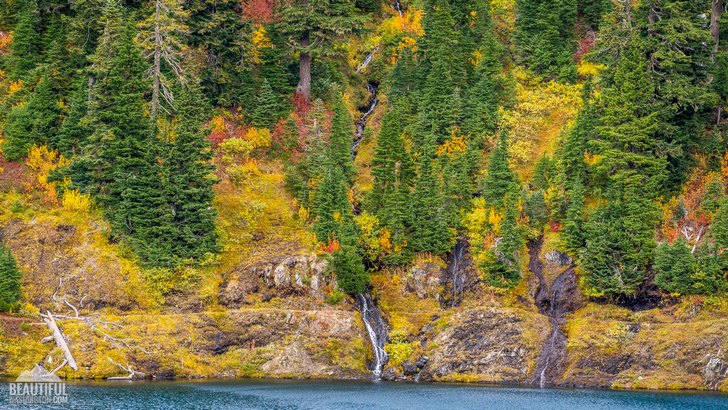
x: 75, y: 201
x: 587, y: 69
x: 543, y: 112
x: 477, y: 57
x: 218, y: 123
x: 41, y: 162
x: 453, y: 147
x: 401, y: 31
x: 260, y: 41
x: 5, y: 40
x: 14, y: 87
x: 235, y: 149
x: 592, y: 159
x: 258, y: 137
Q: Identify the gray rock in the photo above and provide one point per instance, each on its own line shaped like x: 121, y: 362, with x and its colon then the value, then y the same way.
x: 409, y: 368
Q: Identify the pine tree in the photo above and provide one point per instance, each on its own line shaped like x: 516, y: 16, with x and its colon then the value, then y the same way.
x: 575, y: 146
x: 311, y: 26
x: 428, y: 219
x: 75, y: 130
x: 393, y: 172
x: 500, y: 180
x: 544, y: 37
x: 26, y: 45
x: 341, y: 138
x: 267, y: 107
x: 10, y: 277
x: 33, y: 124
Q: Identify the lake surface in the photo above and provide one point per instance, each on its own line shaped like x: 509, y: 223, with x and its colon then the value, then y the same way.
x: 323, y: 395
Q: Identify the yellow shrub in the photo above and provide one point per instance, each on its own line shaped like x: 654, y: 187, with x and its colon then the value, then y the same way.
x: 73, y: 200
x: 258, y: 137
x: 42, y: 161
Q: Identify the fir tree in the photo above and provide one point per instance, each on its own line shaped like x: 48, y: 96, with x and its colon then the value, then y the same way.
x: 33, y: 124
x: 190, y: 232
x: 393, y: 172
x: 428, y: 220
x: 310, y: 27
x: 341, y: 138
x: 26, y: 45
x: 75, y: 129
x: 573, y: 234
x: 333, y: 213
x: 351, y: 276
x: 10, y: 277
x: 267, y: 107
x: 500, y: 179
x: 544, y: 37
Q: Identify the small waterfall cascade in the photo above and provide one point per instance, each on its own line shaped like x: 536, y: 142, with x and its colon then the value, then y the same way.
x: 362, y: 122
x: 555, y: 302
x: 397, y: 6
x: 456, y: 271
x: 377, y: 329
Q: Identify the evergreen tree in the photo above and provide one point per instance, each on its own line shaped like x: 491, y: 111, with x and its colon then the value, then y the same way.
x: 217, y: 29
x: 428, y: 220
x: 33, y: 124
x: 188, y: 186
x: 341, y: 138
x: 333, y: 212
x: 351, y: 276
x: 544, y: 36
x: 75, y: 129
x: 500, y: 180
x: 619, y: 244
x: 26, y: 45
x: 161, y: 36
x: 10, y: 277
x: 311, y: 26
x: 573, y: 234
x: 393, y: 172
x: 267, y: 107
x: 502, y: 269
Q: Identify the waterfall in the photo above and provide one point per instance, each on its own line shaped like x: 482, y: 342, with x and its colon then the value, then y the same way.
x: 362, y: 122
x: 455, y: 268
x: 555, y: 302
x: 377, y: 330
x: 398, y: 6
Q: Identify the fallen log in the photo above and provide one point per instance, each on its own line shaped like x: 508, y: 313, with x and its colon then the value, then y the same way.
x: 60, y: 340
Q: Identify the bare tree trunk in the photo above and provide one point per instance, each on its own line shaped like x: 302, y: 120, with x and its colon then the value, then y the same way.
x: 157, y: 64
x: 304, y: 70
x: 60, y: 341
x: 716, y: 12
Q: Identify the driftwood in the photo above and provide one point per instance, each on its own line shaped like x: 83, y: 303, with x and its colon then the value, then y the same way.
x: 60, y: 340
x: 133, y: 374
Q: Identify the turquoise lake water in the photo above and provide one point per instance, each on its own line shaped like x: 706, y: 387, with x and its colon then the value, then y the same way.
x: 321, y: 395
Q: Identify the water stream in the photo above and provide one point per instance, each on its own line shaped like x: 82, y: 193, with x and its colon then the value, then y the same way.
x: 456, y: 271
x: 377, y: 329
x: 555, y: 301
x: 362, y: 122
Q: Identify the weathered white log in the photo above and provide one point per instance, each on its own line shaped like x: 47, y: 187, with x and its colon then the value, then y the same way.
x: 60, y: 341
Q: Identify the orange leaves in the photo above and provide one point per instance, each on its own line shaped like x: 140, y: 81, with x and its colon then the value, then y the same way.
x: 5, y: 40
x: 42, y: 161
x: 453, y: 147
x: 689, y: 216
x: 259, y: 11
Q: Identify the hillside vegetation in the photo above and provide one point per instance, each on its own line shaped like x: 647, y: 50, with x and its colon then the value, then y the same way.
x: 201, y: 188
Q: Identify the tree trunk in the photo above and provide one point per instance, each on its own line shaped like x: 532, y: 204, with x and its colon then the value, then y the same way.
x: 304, y: 70
x: 157, y: 64
x: 716, y: 11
